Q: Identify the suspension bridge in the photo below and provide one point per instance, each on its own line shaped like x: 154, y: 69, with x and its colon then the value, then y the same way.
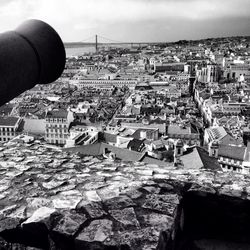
x: 100, y: 41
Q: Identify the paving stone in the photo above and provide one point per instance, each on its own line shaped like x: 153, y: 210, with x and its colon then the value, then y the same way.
x: 136, y: 239
x: 122, y: 201
x: 42, y: 214
x: 156, y: 219
x: 69, y: 223
x: 52, y: 184
x: 34, y: 203
x: 94, y: 209
x: 108, y: 192
x: 163, y: 203
x: 67, y: 199
x: 98, y: 230
x: 126, y: 216
x: 152, y: 189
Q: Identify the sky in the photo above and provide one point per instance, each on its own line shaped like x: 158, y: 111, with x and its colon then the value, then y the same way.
x: 132, y: 20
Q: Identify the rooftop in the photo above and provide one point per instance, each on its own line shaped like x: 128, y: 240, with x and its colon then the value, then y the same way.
x: 8, y: 121
x: 60, y: 113
x: 232, y: 152
x: 178, y: 129
x: 217, y: 133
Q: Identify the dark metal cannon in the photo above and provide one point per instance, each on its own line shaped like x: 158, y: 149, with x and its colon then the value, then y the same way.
x: 31, y: 54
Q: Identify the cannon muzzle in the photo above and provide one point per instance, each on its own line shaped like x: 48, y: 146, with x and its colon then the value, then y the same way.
x: 31, y: 54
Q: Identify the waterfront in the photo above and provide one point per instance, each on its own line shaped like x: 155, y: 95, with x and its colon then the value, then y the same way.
x: 76, y: 51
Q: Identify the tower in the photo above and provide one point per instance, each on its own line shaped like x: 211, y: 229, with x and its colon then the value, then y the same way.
x: 178, y: 151
x: 96, y: 43
x: 213, y: 149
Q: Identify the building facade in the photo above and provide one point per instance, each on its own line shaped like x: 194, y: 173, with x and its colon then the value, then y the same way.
x: 106, y: 84
x: 57, y: 126
x: 10, y: 127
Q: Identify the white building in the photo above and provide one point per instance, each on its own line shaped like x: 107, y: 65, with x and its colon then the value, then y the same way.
x: 234, y: 158
x: 10, y: 127
x: 57, y: 125
x: 81, y: 136
x: 106, y: 84
x: 214, y: 133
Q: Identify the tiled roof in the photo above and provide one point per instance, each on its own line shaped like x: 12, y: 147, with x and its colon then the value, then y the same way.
x: 6, y: 109
x: 229, y: 140
x: 204, y: 95
x: 158, y: 121
x: 135, y: 144
x: 151, y: 160
x: 232, y: 152
x: 176, y: 129
x: 98, y: 149
x: 137, y: 133
x: 192, y: 160
x: 61, y: 113
x: 210, y: 163
x: 199, y: 158
x: 110, y: 137
x: 8, y: 121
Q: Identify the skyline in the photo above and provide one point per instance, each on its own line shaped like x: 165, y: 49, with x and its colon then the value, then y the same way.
x: 133, y: 20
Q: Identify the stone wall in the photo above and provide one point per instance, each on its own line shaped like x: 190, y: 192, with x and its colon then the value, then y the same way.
x: 58, y: 200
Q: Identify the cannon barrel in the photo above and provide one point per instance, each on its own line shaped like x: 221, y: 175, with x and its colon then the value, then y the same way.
x: 31, y: 54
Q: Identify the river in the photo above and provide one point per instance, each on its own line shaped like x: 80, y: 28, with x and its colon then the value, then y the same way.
x: 76, y: 51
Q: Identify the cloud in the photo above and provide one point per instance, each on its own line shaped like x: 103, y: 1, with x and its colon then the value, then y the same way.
x: 71, y: 17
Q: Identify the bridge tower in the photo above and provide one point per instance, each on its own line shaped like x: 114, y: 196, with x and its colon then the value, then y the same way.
x: 96, y: 43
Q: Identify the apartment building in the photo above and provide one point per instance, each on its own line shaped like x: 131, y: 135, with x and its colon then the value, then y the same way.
x: 57, y: 126
x: 10, y: 127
